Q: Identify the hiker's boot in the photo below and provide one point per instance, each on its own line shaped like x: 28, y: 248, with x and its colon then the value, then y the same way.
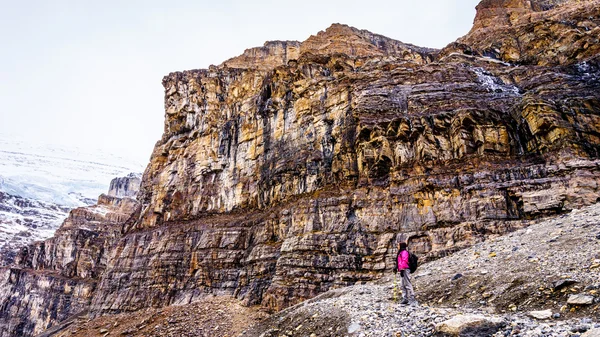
x: 404, y: 301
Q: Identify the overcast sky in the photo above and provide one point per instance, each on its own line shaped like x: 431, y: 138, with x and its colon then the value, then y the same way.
x: 89, y: 72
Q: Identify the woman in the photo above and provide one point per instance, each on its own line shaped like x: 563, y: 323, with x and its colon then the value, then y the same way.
x: 408, y: 294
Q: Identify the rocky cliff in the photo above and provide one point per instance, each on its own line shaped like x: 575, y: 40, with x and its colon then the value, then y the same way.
x: 531, y: 282
x: 55, y: 279
x: 535, y: 32
x: 128, y: 186
x: 276, y: 183
x: 296, y: 167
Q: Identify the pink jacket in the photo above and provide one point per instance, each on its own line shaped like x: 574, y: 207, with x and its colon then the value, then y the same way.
x: 403, y: 260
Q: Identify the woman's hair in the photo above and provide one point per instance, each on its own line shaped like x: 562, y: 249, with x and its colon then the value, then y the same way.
x: 403, y: 246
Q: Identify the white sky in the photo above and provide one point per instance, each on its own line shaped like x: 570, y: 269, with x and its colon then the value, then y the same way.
x: 89, y: 72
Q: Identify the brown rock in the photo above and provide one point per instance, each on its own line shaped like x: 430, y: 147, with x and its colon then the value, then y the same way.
x: 533, y: 32
x: 269, y: 56
x: 355, y: 43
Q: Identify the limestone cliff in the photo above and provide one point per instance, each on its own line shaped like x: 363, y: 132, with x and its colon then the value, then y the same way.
x: 127, y: 186
x: 277, y: 182
x: 296, y: 167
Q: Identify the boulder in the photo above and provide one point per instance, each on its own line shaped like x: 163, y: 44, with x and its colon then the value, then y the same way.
x: 592, y: 333
x: 469, y: 325
x: 557, y: 285
x: 543, y: 314
x: 580, y: 299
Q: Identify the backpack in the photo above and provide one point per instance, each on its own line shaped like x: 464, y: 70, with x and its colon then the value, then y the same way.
x: 413, y: 262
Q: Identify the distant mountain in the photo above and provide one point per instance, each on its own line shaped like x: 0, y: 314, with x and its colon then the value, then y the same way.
x: 40, y: 183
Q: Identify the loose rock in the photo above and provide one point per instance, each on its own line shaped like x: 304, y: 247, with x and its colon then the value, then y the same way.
x: 469, y: 325
x: 544, y: 314
x: 592, y: 333
x: 580, y: 299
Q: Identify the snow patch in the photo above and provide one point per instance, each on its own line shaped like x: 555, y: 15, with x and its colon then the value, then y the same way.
x: 583, y: 67
x: 493, y: 83
x: 586, y: 71
x: 23, y: 221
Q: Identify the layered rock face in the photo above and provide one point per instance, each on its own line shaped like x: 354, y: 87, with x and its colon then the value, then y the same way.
x: 127, y: 186
x: 542, y: 32
x: 54, y: 279
x: 279, y: 181
x: 337, y: 39
x: 296, y: 167
x: 271, y: 55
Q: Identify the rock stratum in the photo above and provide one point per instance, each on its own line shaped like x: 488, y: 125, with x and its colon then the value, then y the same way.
x: 519, y: 284
x: 295, y: 168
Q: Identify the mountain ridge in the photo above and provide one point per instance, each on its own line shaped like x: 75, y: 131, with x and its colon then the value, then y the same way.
x: 337, y: 38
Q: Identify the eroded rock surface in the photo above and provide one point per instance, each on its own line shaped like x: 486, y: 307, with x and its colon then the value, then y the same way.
x: 275, y: 183
x: 542, y: 32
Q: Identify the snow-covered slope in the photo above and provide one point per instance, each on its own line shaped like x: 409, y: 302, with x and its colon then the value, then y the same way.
x: 40, y: 183
x: 58, y: 174
x: 25, y: 220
